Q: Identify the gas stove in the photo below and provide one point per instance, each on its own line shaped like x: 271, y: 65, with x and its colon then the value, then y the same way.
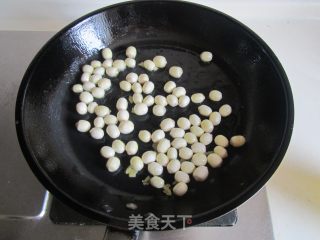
x: 28, y: 211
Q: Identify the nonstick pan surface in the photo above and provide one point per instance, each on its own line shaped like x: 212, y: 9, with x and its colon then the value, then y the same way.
x: 244, y: 69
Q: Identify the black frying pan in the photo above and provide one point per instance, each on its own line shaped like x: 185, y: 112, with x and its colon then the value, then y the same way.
x: 244, y: 69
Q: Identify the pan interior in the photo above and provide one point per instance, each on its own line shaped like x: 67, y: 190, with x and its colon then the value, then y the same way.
x: 241, y: 69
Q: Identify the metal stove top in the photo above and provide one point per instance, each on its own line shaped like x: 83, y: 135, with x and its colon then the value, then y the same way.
x: 28, y: 211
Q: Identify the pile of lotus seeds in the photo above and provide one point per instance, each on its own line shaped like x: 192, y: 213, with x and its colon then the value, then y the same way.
x: 186, y: 154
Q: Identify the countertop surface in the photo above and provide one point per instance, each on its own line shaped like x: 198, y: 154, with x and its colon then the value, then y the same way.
x: 292, y: 30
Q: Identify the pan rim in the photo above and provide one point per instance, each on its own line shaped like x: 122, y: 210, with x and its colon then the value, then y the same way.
x: 122, y: 222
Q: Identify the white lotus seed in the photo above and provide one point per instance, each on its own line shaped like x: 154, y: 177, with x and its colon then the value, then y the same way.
x: 107, y: 152
x: 87, y: 68
x: 177, y: 133
x: 92, y: 106
x: 221, y: 140
x: 198, y: 147
x: 98, y: 122
x: 184, y: 101
x: 157, y: 135
x: 132, y: 147
x: 131, y: 52
x: 206, y: 56
x: 148, y: 87
x: 169, y: 86
x: 180, y: 189
x: 95, y: 63
x: 126, y: 127
x: 132, y: 77
x: 195, y: 120
x: 181, y: 176
x: 88, y: 86
x: 136, y: 88
x: 207, y: 126
x: 101, y: 111
x: 143, y: 78
x: 162, y: 159
x: 149, y: 65
x: 130, y: 62
x: 187, y: 167
x: 77, y: 88
x: 172, y: 153
x: 97, y: 92
x: 237, y: 141
x: 113, y: 164
x: 206, y: 138
x: 85, y: 77
x: 118, y: 146
x: 137, y: 98
x: 179, y: 91
x: 204, y: 110
x: 113, y: 131
x: 155, y: 169
x: 167, y: 124
x: 198, y: 131
x: 175, y: 71
x: 110, y: 119
x: 178, y: 143
x: 112, y: 71
x: 122, y: 104
x: 172, y: 100
x: 160, y: 61
x: 148, y: 100
x: 215, y: 95
x: 163, y: 145
x: 159, y: 110
x: 160, y: 100
x: 225, y: 110
x: 119, y: 64
x: 123, y: 115
x: 140, y: 109
x: 215, y: 118
x: 214, y: 160
x: 136, y: 163
x: 197, y: 98
x: 125, y: 86
x: 190, y: 138
x: 86, y: 97
x: 99, y: 71
x: 107, y: 53
x: 183, y: 123
x: 95, y: 78
x: 144, y: 136
x: 107, y: 63
x: 96, y: 133
x: 200, y: 174
x: 104, y: 83
x: 157, y: 182
x: 83, y: 126
x: 81, y: 108
x: 221, y: 151
x: 185, y: 153
x: 173, y: 166
x: 149, y: 156
x: 199, y: 159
